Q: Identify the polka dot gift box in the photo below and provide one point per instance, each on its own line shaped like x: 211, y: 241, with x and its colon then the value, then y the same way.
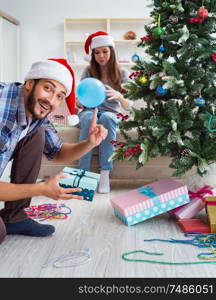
x: 88, y: 181
x: 150, y: 200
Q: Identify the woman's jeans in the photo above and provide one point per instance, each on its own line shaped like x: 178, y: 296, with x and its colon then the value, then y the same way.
x: 110, y: 122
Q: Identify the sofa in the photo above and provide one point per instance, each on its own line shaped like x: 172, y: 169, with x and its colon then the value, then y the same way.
x: 123, y: 173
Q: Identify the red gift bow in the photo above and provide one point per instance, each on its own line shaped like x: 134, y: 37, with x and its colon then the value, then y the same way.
x: 199, y: 194
x: 210, y: 202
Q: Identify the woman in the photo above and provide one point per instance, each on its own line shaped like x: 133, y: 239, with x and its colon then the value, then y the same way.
x: 103, y: 66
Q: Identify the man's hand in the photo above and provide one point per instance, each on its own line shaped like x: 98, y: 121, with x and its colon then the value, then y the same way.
x: 97, y: 133
x: 53, y: 190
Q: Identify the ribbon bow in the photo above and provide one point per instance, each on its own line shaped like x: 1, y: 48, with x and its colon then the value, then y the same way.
x: 148, y: 191
x: 78, y: 175
x: 200, y: 193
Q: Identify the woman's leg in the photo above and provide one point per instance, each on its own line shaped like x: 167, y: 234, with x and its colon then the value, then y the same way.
x: 85, y: 123
x: 110, y: 122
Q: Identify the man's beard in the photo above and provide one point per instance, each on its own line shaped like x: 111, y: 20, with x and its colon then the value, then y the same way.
x: 31, y: 103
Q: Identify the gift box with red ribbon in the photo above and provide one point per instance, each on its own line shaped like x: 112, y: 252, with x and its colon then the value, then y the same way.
x: 196, y: 203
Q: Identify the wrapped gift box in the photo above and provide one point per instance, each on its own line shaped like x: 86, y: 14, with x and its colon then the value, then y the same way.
x: 195, y: 205
x: 194, y: 226
x: 211, y: 212
x: 149, y: 200
x: 88, y: 181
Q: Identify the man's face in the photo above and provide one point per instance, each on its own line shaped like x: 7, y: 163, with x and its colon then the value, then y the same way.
x: 44, y: 97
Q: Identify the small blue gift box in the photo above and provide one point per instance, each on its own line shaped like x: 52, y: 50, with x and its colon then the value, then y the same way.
x: 88, y: 181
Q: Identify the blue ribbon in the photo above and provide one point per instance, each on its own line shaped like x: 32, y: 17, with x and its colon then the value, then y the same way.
x: 148, y: 191
x: 78, y: 175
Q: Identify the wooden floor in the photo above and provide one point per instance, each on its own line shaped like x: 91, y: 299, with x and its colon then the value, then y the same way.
x: 93, y: 226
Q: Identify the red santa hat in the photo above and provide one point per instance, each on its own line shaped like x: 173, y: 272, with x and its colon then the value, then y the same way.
x: 59, y: 70
x: 98, y: 39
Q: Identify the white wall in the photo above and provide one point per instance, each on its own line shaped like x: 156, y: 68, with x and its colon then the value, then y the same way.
x: 41, y: 30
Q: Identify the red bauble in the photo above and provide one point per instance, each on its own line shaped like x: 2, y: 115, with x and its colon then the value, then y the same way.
x: 202, y: 12
x: 214, y: 56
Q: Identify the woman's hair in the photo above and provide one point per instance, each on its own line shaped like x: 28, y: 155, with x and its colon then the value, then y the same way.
x: 113, y: 70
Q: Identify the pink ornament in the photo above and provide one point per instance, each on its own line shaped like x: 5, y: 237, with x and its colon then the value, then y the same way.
x: 202, y: 12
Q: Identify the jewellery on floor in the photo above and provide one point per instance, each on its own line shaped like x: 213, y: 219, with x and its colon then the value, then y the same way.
x: 72, y: 259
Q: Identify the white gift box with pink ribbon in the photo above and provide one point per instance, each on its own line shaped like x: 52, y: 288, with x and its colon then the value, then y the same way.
x: 196, y: 203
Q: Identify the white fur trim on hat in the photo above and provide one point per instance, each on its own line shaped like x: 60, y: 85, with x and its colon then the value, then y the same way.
x: 53, y: 70
x: 102, y: 40
x: 73, y: 120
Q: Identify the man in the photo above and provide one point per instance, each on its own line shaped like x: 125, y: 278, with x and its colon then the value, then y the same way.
x: 26, y: 134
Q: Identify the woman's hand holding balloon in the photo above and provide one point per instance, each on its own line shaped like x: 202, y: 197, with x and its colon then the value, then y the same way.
x: 113, y: 94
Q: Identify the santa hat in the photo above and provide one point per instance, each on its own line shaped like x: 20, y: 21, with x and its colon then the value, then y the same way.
x: 98, y: 39
x: 59, y: 70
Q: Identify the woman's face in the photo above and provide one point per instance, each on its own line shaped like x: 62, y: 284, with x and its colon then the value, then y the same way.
x: 102, y: 55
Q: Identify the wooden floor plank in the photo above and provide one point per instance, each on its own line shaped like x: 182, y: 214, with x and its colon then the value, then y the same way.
x: 93, y: 226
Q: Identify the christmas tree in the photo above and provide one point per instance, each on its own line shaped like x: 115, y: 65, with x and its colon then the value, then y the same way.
x: 178, y: 86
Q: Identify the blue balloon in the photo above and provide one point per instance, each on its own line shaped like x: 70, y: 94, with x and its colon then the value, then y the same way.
x: 91, y: 92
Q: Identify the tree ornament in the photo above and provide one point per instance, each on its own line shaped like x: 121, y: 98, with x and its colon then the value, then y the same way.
x: 173, y: 20
x: 214, y: 56
x: 200, y: 101
x: 185, y: 153
x: 135, y: 58
x: 202, y: 12
x: 143, y: 79
x: 162, y: 48
x: 161, y: 91
x: 158, y: 31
